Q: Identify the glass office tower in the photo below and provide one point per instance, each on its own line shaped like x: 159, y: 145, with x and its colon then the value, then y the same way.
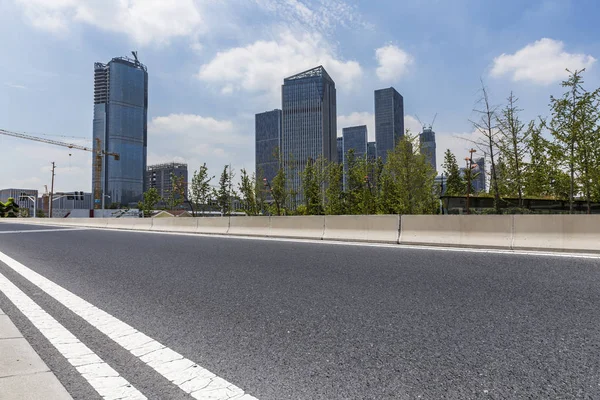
x: 120, y: 122
x: 267, y: 128
x: 309, y: 124
x: 340, y: 149
x: 389, y: 120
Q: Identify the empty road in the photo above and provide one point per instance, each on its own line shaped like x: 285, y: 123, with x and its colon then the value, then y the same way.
x: 269, y: 319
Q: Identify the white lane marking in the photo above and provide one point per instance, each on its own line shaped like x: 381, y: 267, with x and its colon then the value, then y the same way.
x: 105, y: 380
x: 187, y: 375
x: 45, y: 230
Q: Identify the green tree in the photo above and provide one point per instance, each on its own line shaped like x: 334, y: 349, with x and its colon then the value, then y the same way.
x: 177, y: 194
x: 407, y: 181
x: 260, y: 191
x: 200, y: 189
x: 574, y: 130
x: 513, y: 146
x: 223, y: 193
x: 312, y: 187
x: 537, y: 171
x: 247, y: 187
x: 279, y: 191
x: 334, y: 192
x: 486, y: 126
x: 455, y: 184
x: 151, y: 197
x: 360, y: 189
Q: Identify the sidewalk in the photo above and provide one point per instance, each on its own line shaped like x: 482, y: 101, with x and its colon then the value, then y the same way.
x: 23, y: 374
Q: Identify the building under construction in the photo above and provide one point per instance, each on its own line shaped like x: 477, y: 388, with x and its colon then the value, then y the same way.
x: 159, y: 177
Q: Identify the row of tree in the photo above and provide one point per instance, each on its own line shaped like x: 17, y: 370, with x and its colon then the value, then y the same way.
x: 556, y: 157
x: 404, y: 184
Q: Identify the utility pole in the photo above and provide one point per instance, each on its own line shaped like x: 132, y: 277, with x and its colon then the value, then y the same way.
x: 51, y: 191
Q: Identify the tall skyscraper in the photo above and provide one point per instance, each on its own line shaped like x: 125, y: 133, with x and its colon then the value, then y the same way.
x: 267, y: 128
x: 340, y: 149
x: 309, y: 124
x: 120, y: 123
x: 427, y: 143
x: 389, y: 120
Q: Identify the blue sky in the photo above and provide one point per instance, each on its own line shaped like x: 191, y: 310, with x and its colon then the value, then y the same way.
x: 214, y: 64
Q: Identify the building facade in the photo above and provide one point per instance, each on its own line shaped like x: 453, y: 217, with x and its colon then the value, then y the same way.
x: 159, y: 177
x: 427, y: 143
x: 372, y: 151
x: 389, y: 120
x: 267, y: 128
x: 120, y: 126
x: 309, y: 125
x: 479, y: 181
x: 355, y: 138
x: 340, y: 149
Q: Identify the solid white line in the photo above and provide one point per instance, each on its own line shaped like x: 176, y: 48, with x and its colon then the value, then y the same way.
x: 187, y: 375
x: 45, y: 230
x: 105, y: 380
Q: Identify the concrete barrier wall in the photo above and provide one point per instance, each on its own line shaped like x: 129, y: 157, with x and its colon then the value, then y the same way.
x: 305, y: 227
x: 213, y: 225
x: 249, y: 226
x: 363, y: 228
x: 188, y: 225
x: 490, y: 231
x: 579, y: 233
x: 557, y: 233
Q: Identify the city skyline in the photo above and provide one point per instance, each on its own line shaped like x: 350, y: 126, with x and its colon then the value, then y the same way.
x: 197, y: 78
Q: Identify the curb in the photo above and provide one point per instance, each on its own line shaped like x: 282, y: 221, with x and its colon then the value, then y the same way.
x: 23, y: 374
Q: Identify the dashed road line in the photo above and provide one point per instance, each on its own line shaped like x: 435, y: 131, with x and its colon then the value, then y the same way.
x: 101, y: 376
x: 185, y: 374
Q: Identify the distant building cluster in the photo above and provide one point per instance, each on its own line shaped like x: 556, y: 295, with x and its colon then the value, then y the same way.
x: 305, y: 128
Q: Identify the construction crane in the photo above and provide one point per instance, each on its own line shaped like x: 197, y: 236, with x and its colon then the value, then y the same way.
x: 100, y: 154
x: 433, y: 122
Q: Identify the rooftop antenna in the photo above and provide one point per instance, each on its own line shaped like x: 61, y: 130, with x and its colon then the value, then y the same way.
x: 136, y: 57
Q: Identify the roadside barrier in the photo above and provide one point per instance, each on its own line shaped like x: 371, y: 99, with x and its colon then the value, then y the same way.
x: 363, y: 228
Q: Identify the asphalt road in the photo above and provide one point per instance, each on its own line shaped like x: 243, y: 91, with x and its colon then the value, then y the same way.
x: 299, y: 320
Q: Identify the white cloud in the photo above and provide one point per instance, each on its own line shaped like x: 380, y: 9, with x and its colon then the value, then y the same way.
x: 196, y: 139
x: 262, y: 65
x: 144, y: 21
x: 316, y: 15
x: 393, y: 63
x: 357, y: 118
x: 542, y: 62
